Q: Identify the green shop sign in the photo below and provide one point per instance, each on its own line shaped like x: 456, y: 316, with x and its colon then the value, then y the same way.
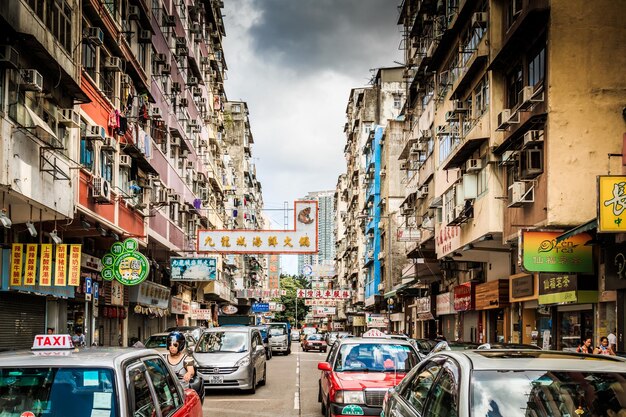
x: 542, y: 253
x: 125, y: 263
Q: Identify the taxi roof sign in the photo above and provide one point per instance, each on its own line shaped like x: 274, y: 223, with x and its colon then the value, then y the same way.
x: 52, y: 342
x: 374, y: 333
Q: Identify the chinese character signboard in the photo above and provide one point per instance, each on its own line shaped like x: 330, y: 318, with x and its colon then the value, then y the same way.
x: 464, y: 296
x: 611, y: 204
x: 45, y: 265
x: 273, y: 272
x: 193, y: 269
x: 125, y: 263
x: 409, y: 234
x: 73, y: 276
x: 445, y: 304
x: 301, y: 240
x: 541, y: 252
x: 60, y: 266
x: 562, y: 288
x: 30, y: 272
x: 332, y: 294
x: 447, y: 239
x: 16, y: 264
x: 260, y: 293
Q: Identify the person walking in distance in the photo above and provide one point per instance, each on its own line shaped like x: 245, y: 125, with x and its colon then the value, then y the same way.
x: 586, y: 346
x: 604, y: 348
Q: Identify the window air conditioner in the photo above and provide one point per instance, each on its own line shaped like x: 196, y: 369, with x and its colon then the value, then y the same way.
x: 443, y: 130
x: 459, y: 106
x: 169, y: 20
x: 189, y: 165
x: 196, y: 91
x: 175, y: 87
x: 69, y: 117
x: 532, y: 137
x: 183, y: 102
x: 173, y: 198
x: 519, y: 194
x: 145, y: 36
x: 133, y: 12
x: 451, y: 116
x: 182, y: 51
x: 381, y: 255
x: 166, y: 69
x: 527, y: 98
x: 503, y: 119
x: 9, y: 57
x: 196, y: 28
x: 101, y: 190
x: 113, y: 63
x: 125, y: 161
x: 155, y: 112
x: 473, y: 165
x: 192, y: 81
x: 95, y: 36
x: 415, y: 148
x: 479, y: 19
x: 32, y: 80
x: 174, y: 141
x: 383, y: 172
x: 160, y: 58
x: 95, y: 132
x: 109, y: 144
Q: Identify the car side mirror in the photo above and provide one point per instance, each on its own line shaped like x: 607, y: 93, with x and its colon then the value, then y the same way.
x: 324, y: 366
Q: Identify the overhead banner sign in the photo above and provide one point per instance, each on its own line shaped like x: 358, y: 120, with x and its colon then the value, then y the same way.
x: 409, y: 234
x: 193, y: 269
x: 314, y: 302
x: 541, y: 252
x: 302, y: 240
x: 273, y: 272
x: 611, y: 204
x: 333, y: 294
x: 259, y: 293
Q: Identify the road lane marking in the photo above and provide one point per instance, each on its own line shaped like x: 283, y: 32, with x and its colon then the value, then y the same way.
x: 296, y: 395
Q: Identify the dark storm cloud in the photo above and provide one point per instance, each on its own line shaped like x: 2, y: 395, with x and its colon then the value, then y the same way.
x: 313, y: 35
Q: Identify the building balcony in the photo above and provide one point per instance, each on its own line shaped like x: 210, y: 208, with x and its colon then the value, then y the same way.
x: 476, y: 135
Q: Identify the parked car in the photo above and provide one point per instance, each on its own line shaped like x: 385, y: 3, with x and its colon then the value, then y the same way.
x: 116, y: 382
x: 508, y: 346
x: 424, y: 346
x: 511, y: 383
x: 265, y: 335
x: 331, y: 337
x: 314, y: 342
x: 445, y: 345
x: 231, y: 357
x: 158, y: 342
x: 196, y: 331
x: 359, y: 371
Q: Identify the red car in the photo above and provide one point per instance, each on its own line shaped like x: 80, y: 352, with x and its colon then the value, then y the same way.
x: 314, y: 341
x: 360, y: 371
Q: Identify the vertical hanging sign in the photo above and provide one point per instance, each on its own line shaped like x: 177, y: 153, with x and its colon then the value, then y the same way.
x: 45, y: 265
x: 73, y: 277
x: 30, y: 272
x: 60, y: 270
x: 16, y: 264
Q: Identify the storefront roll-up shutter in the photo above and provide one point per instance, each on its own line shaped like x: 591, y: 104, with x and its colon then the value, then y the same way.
x: 22, y: 316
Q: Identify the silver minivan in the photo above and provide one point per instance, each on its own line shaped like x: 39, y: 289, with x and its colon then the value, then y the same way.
x: 231, y: 357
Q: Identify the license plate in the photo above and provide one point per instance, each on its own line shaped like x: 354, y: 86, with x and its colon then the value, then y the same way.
x: 215, y: 379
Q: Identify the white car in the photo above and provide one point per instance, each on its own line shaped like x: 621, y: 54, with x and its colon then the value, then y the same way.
x: 511, y: 383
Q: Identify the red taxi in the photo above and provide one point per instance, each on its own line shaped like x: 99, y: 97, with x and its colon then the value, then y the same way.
x: 314, y: 341
x: 55, y: 379
x: 360, y: 370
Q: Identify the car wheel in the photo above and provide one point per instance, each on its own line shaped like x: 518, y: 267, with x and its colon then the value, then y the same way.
x: 264, y: 380
x: 289, y: 350
x: 252, y: 389
x: 323, y: 350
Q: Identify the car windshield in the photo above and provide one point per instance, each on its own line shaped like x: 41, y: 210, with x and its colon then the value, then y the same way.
x: 375, y: 357
x: 547, y: 393
x: 309, y: 330
x: 156, y: 342
x: 277, y: 330
x: 314, y: 337
x: 213, y: 342
x: 77, y: 392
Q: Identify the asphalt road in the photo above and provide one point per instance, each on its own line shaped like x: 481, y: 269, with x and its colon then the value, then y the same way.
x: 291, y: 390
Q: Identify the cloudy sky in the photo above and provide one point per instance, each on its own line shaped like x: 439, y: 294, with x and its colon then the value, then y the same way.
x: 294, y: 63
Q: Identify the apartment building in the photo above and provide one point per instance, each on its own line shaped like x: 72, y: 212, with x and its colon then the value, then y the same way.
x: 112, y: 128
x: 512, y: 108
x: 325, y: 229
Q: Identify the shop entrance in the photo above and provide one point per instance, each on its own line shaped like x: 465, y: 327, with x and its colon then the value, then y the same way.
x: 573, y: 327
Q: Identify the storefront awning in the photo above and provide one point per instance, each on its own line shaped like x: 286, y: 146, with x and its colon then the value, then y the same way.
x: 585, y: 227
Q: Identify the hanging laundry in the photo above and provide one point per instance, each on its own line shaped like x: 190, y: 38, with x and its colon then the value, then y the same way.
x: 113, y: 120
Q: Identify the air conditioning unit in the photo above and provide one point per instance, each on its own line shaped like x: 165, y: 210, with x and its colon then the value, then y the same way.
x: 155, y: 112
x: 133, y: 12
x: 383, y: 172
x: 203, y: 143
x: 113, y: 63
x: 101, y: 190
x: 530, y: 163
x: 173, y: 198
x: 189, y: 165
x: 370, y: 253
x: 192, y: 81
x: 425, y: 136
x: 169, y: 20
x: 196, y: 91
x: 95, y: 36
x: 508, y: 157
x: 183, y: 102
x: 145, y: 36
x: 175, y: 87
x: 193, y: 123
x: 160, y: 58
x: 174, y: 141
x: 532, y: 137
x: 451, y: 116
x: 204, y: 60
x: 405, y: 166
x: 109, y: 144
x: 180, y: 41
x: 69, y: 117
x: 473, y: 165
x: 196, y: 28
x: 519, y: 194
x: 459, y: 211
x: 459, y: 106
x: 125, y: 79
x: 32, y: 80
x: 503, y: 119
x: 479, y: 19
x: 95, y: 132
x: 9, y: 57
x: 125, y: 161
x: 381, y: 255
x: 443, y: 130
x: 415, y: 149
x: 182, y: 51
x: 166, y: 69
x: 527, y: 98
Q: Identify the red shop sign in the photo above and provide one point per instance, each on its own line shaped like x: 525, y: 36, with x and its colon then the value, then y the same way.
x: 464, y: 297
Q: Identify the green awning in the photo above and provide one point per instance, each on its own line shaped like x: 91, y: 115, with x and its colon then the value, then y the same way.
x: 585, y: 227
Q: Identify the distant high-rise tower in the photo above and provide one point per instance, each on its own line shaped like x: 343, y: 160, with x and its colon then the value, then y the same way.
x: 325, y: 227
